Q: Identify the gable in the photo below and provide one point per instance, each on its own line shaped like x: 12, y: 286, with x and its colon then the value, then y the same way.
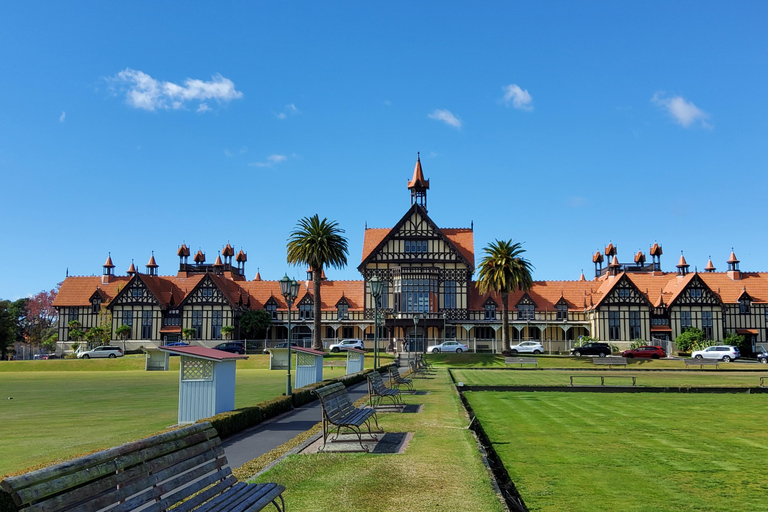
x: 206, y: 292
x: 624, y: 292
x: 136, y: 292
x: 695, y: 293
x: 525, y: 300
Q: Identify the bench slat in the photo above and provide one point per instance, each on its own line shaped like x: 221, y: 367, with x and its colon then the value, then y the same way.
x: 175, y: 497
x: 204, y: 496
x: 263, y: 495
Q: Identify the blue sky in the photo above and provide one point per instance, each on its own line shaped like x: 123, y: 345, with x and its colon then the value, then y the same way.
x: 130, y: 127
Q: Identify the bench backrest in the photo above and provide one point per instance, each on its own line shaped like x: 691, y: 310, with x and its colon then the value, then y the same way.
x: 395, y: 373
x: 609, y: 360
x: 148, y: 471
x: 377, y: 383
x: 702, y: 361
x: 335, y: 401
x: 521, y: 360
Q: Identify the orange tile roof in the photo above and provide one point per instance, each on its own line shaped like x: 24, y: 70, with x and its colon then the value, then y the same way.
x: 418, y: 176
x: 371, y: 240
x: 464, y: 240
x: 77, y: 290
x: 546, y: 294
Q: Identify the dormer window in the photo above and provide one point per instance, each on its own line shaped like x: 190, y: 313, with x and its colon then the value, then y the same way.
x: 342, y: 311
x: 744, y: 306
x: 562, y: 311
x: 96, y: 305
x: 490, y: 311
x: 271, y: 308
x: 306, y: 311
x: 526, y: 312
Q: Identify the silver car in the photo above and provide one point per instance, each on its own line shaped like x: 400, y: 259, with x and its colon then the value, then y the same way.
x: 447, y: 346
x: 723, y: 353
x: 527, y: 347
x: 103, y: 351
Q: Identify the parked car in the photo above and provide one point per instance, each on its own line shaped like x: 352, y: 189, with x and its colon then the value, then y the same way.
x: 762, y: 355
x: 346, y: 345
x: 447, y: 346
x: 234, y: 347
x: 527, y: 347
x: 102, y: 351
x: 285, y: 345
x: 592, y: 349
x: 723, y: 353
x: 177, y: 344
x: 647, y: 351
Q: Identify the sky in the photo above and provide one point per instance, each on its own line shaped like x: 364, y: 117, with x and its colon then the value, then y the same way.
x: 131, y: 127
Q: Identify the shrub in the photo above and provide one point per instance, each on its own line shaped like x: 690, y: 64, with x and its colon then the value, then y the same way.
x: 637, y: 343
x: 738, y: 340
x: 701, y: 345
x: 685, y: 340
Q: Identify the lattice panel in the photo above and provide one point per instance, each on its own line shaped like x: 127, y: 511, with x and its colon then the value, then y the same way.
x: 303, y: 359
x: 196, y: 369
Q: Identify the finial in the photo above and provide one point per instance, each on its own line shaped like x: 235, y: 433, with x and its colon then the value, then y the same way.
x: 67, y: 272
x: 418, y: 156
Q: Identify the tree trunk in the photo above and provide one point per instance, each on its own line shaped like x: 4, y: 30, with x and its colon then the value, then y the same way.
x: 505, y: 322
x: 317, y: 338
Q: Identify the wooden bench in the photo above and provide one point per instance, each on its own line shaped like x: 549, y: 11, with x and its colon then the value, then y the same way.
x: 340, y: 412
x: 423, y: 363
x: 610, y: 361
x: 377, y: 391
x: 522, y: 360
x: 184, y: 469
x: 602, y: 379
x: 417, y: 370
x: 395, y: 379
x: 701, y: 362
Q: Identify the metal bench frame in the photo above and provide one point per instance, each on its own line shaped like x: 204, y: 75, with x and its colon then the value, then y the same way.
x: 377, y: 391
x: 522, y: 360
x: 340, y: 412
x: 610, y: 361
x: 183, y: 469
x: 701, y: 362
x: 395, y: 379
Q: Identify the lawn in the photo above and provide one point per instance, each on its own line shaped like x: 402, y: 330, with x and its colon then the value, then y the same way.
x: 63, y: 408
x: 590, y: 451
x: 440, y: 470
x: 676, y: 379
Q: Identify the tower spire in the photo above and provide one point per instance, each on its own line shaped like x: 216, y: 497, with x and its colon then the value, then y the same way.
x: 418, y: 185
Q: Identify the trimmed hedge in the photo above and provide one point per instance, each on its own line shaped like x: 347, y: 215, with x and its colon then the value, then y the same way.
x: 232, y: 422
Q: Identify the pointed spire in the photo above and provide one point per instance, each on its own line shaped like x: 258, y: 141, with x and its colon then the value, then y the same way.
x: 732, y: 259
x: 218, y: 262
x: 131, y: 269
x: 710, y: 267
x: 108, y: 263
x: 682, y: 262
x: 241, y: 257
x: 183, y: 251
x: 199, y: 257
x: 258, y: 276
x: 228, y: 251
x: 418, y: 185
x: 581, y: 277
x: 152, y: 263
x: 615, y: 262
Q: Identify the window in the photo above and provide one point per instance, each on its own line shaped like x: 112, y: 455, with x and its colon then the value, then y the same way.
x: 526, y: 312
x: 384, y: 299
x: 216, y: 320
x: 744, y: 306
x: 450, y: 332
x: 306, y: 311
x: 490, y: 311
x: 706, y: 323
x: 562, y: 312
x: 197, y: 324
x: 634, y: 325
x: 172, y: 317
x: 685, y: 320
x: 146, y: 325
x: 128, y: 317
x: 347, y: 331
x: 206, y: 292
x: 485, y: 333
x: 73, y: 314
x: 417, y: 295
x: 96, y: 305
x: 614, y: 325
x: 137, y: 293
x: 271, y: 308
x: 343, y: 311
x: 415, y: 246
x: 695, y: 293
x: 624, y: 293
x: 449, y: 300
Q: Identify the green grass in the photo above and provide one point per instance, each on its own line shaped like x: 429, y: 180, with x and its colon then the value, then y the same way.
x: 674, y: 379
x: 590, y: 451
x: 440, y: 470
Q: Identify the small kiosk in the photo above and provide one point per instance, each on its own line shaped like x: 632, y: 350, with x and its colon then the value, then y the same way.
x: 309, y: 366
x: 278, y: 358
x: 355, y: 360
x: 206, y: 381
x: 156, y: 360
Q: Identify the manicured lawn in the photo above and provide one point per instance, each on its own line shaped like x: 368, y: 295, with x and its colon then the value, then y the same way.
x: 440, y: 470
x: 675, y: 379
x: 590, y: 451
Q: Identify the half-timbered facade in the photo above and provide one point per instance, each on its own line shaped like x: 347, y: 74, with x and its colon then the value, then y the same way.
x: 428, y: 292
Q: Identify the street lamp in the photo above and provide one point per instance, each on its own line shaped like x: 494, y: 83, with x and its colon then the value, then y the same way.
x: 289, y: 288
x: 416, y: 319
x: 376, y: 286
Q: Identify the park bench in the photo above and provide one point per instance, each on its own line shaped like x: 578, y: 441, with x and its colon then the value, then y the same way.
x: 340, y: 412
x: 377, y: 391
x: 522, y: 360
x: 183, y: 469
x: 395, y: 379
x: 602, y: 379
x: 417, y: 370
x: 701, y: 362
x: 482, y: 348
x: 610, y: 361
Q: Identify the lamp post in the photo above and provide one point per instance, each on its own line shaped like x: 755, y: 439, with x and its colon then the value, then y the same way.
x: 376, y: 286
x: 289, y: 288
x: 416, y: 319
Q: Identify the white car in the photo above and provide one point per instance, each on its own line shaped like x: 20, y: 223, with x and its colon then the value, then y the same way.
x: 346, y: 345
x: 527, y: 347
x: 103, y: 351
x: 447, y: 346
x: 723, y: 353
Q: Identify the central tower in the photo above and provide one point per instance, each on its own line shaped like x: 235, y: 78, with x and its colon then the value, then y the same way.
x: 418, y: 185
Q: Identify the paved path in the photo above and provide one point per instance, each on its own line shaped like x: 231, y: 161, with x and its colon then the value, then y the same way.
x: 256, y: 441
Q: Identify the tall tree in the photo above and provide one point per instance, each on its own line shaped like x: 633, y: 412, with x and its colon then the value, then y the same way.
x: 254, y: 323
x: 8, y: 322
x: 504, y: 271
x: 41, y: 315
x: 317, y: 243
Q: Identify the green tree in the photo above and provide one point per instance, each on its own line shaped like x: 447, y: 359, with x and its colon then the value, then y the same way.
x: 317, y: 243
x: 227, y: 331
x: 504, y: 270
x: 18, y: 310
x: 8, y: 325
x: 686, y: 340
x: 188, y: 333
x: 50, y: 343
x: 254, y: 323
x: 738, y: 340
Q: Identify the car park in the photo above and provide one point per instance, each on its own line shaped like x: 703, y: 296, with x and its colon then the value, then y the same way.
x: 234, y: 347
x: 102, y: 351
x: 447, y: 346
x: 592, y: 349
x: 723, y: 353
x: 527, y: 347
x: 346, y: 345
x: 647, y: 352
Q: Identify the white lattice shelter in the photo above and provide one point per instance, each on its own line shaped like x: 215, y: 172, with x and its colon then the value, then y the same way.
x: 309, y: 366
x: 206, y: 381
x: 355, y: 360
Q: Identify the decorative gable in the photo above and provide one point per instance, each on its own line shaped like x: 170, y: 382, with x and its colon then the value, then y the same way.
x: 206, y: 292
x: 625, y: 292
x: 525, y: 300
x: 696, y: 293
x: 136, y: 293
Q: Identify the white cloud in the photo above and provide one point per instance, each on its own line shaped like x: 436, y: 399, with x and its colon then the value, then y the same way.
x: 684, y: 112
x: 289, y: 110
x: 445, y: 116
x: 144, y: 92
x: 62, y: 117
x: 270, y: 161
x: 519, y: 98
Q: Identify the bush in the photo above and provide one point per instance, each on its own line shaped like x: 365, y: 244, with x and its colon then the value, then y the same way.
x: 738, y: 340
x: 701, y: 345
x: 686, y: 340
x: 637, y: 343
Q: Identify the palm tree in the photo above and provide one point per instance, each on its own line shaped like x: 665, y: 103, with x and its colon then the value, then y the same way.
x: 504, y: 270
x: 317, y: 243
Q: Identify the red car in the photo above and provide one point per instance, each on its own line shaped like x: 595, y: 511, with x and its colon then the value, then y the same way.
x: 648, y: 352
